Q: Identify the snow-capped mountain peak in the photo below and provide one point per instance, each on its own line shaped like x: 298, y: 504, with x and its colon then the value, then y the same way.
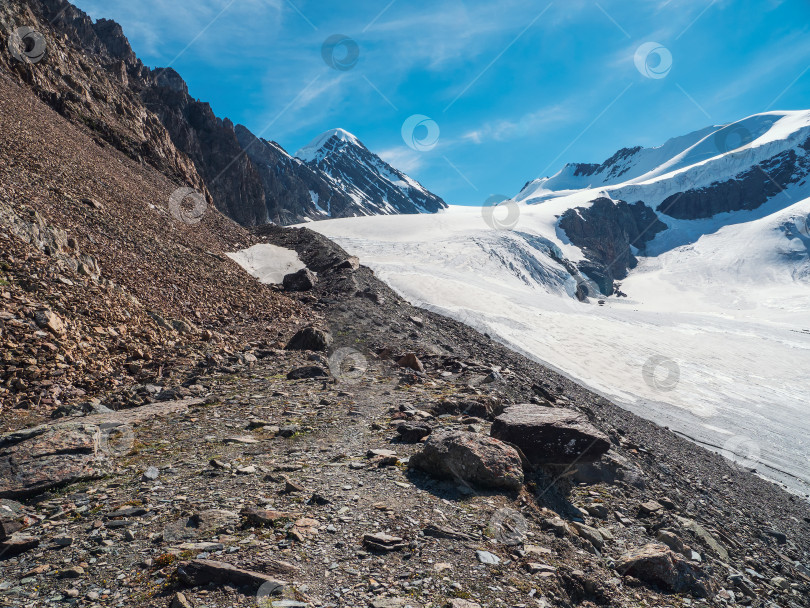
x: 376, y: 187
x: 326, y: 142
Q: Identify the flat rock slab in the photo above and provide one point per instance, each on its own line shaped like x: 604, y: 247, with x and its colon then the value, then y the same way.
x: 51, y: 455
x: 17, y: 544
x: 200, y: 572
x: 550, y: 435
x: 470, y: 458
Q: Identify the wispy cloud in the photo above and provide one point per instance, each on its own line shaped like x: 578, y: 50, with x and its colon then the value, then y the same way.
x: 527, y: 125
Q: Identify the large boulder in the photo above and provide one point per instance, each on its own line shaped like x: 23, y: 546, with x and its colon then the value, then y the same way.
x: 658, y: 565
x: 303, y: 280
x: 470, y: 458
x: 549, y: 435
x: 310, y: 338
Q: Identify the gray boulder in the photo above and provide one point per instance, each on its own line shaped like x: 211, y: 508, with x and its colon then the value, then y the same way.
x: 471, y: 459
x: 310, y: 338
x: 303, y: 280
x: 657, y: 565
x: 550, y: 435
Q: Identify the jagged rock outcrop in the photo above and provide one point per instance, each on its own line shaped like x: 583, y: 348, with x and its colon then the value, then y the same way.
x: 605, y: 231
x: 212, y: 145
x: 97, y: 87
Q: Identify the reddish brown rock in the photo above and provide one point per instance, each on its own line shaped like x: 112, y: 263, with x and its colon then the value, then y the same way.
x: 411, y: 361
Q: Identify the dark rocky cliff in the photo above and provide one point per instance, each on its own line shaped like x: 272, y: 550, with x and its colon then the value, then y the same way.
x: 605, y: 232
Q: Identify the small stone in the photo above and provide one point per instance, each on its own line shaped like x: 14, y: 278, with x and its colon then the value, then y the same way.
x: 650, y: 508
x: 17, y: 544
x: 411, y: 361
x: 63, y: 541
x: 383, y: 542
x: 303, y: 280
x: 460, y: 603
x: 535, y: 567
x: 263, y: 517
x: 485, y: 557
x: 246, y: 470
x: 291, y: 487
x: 179, y: 601
x: 72, y: 572
x: 151, y: 474
x: 50, y: 321
x: 201, y: 572
x: 243, y: 440
x: 310, y: 338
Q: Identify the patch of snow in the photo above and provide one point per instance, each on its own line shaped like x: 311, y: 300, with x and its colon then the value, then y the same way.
x: 268, y: 263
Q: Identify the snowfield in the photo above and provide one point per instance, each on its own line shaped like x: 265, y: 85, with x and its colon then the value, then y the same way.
x: 713, y: 338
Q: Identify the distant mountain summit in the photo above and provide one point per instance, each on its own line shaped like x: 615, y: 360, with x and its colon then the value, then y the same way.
x: 376, y: 187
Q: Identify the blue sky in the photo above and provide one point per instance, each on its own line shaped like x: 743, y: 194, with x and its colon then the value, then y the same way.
x: 516, y: 88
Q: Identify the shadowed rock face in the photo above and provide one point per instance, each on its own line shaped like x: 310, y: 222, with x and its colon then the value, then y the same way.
x: 291, y: 187
x: 605, y: 231
x: 549, y: 435
x: 470, y: 458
